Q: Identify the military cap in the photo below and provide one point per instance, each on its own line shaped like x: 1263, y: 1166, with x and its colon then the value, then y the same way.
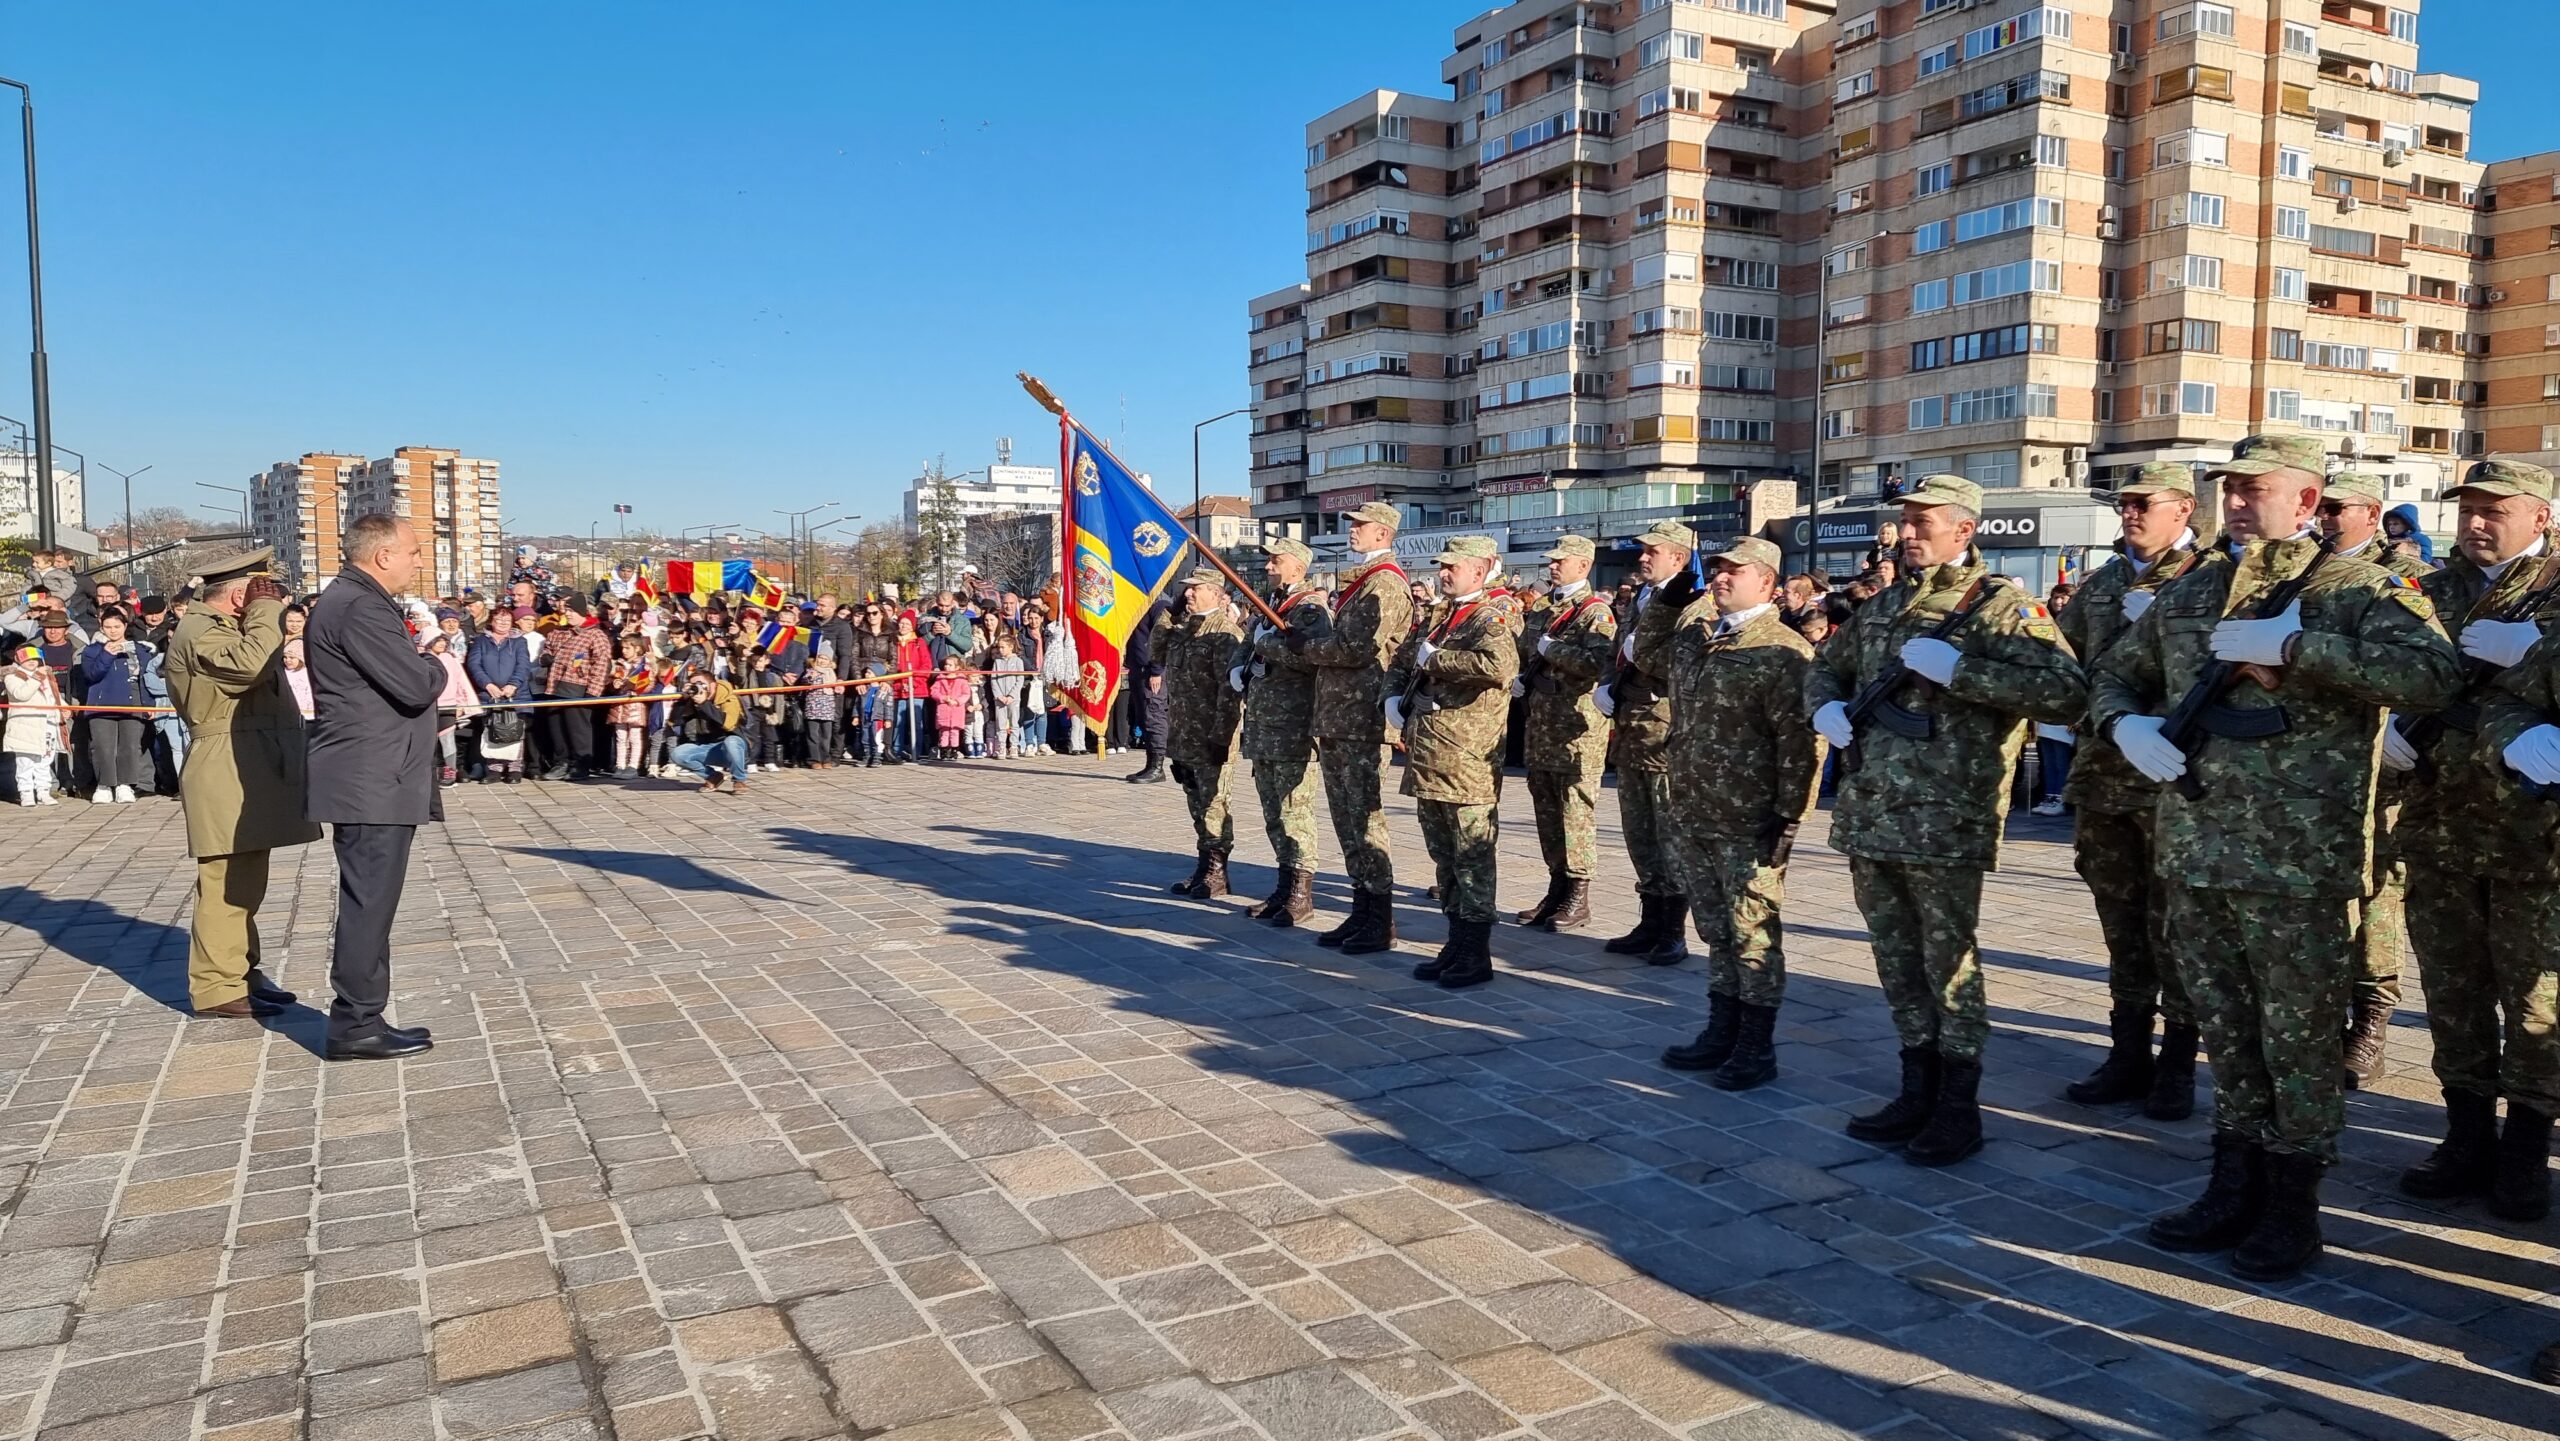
x: 2355, y: 487
x: 1284, y: 545
x: 239, y: 565
x: 1944, y: 489
x: 1669, y: 532
x: 1205, y: 575
x: 2500, y: 477
x: 1380, y: 513
x: 2262, y: 454
x: 2174, y: 477
x: 1572, y: 547
x: 1467, y: 547
x: 1750, y: 550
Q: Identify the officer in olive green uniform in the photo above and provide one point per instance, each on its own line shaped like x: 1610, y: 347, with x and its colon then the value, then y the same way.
x: 2351, y: 510
x: 1279, y: 690
x: 1565, y: 644
x: 2484, y: 884
x: 1195, y: 649
x: 1372, y: 616
x: 1638, y: 700
x: 1745, y: 764
x: 2266, y: 865
x: 1920, y: 814
x: 2112, y: 805
x: 1449, y: 692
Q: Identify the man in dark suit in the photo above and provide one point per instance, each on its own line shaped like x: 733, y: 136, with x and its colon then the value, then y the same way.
x: 372, y: 771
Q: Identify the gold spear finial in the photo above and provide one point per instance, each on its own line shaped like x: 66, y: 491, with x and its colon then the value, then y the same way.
x: 1040, y: 392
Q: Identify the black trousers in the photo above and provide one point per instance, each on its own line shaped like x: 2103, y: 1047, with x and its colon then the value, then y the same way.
x: 1158, y: 716
x: 373, y: 865
x: 570, y: 731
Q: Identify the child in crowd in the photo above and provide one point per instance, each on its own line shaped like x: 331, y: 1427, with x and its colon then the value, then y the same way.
x: 951, y: 699
x: 1004, y: 698
x: 629, y: 719
x: 656, y: 756
x: 33, y: 736
x: 452, y: 708
x: 821, y: 707
x: 297, y: 678
x: 764, y: 747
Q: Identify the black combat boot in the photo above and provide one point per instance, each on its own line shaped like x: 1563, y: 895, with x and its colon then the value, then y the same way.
x: 2228, y: 1210
x: 1573, y: 911
x: 1271, y: 903
x: 1546, y: 905
x: 2467, y: 1163
x: 1297, y: 901
x: 1901, y: 1118
x: 2523, y: 1188
x: 1671, y: 942
x: 2125, y: 1075
x: 1715, y: 1043
x: 1432, y: 969
x: 2173, y: 1075
x: 1955, y: 1122
x: 1151, y: 773
x: 2368, y: 1038
x: 1648, y: 926
x: 2287, y: 1236
x: 1472, y: 962
x: 1755, y: 1052
x: 1190, y: 885
x: 1333, y: 939
x: 1377, y: 927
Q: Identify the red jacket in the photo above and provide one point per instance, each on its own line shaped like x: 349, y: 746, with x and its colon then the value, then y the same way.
x: 916, y: 656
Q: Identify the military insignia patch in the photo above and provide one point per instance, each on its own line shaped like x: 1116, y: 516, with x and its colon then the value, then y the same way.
x: 1088, y: 476
x: 2406, y: 591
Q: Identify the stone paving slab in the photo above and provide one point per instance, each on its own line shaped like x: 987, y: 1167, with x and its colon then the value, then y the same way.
x: 906, y: 1102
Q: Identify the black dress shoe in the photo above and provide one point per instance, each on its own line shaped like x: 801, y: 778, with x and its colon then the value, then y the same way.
x: 415, y: 1033
x: 262, y: 989
x: 383, y: 1045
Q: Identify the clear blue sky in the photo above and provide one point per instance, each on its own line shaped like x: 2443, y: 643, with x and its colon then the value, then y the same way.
x: 712, y: 260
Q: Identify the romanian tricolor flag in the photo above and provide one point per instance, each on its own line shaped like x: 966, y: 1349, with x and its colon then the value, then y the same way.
x: 1121, y: 547
x: 705, y: 579
x: 766, y: 591
x: 643, y: 587
x: 776, y: 636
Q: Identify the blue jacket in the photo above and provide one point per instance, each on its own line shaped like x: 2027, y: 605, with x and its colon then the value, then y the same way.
x: 114, y: 679
x: 2409, y: 516
x: 495, y: 661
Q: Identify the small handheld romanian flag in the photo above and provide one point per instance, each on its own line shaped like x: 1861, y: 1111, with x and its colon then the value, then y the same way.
x: 776, y: 636
x: 766, y: 591
x: 1122, y: 545
x: 643, y: 587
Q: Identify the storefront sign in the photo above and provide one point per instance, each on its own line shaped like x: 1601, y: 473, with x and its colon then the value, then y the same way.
x: 1351, y: 499
x: 1418, y: 547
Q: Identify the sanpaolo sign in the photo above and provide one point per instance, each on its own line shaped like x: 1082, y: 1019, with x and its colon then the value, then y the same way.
x: 2000, y: 530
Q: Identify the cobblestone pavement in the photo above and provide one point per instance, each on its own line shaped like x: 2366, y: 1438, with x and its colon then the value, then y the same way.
x: 906, y: 1101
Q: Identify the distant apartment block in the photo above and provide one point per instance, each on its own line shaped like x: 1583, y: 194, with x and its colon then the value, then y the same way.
x: 295, y: 506
x: 302, y: 508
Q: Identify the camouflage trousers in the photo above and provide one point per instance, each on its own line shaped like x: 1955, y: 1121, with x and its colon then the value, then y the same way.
x: 1644, y: 813
x: 2382, y: 934
x: 1460, y: 840
x: 1921, y: 920
x: 1735, y: 898
x: 1213, y: 825
x: 1567, y: 804
x: 2270, y: 976
x: 1287, y: 790
x: 2113, y: 853
x: 1353, y: 778
x: 2484, y: 952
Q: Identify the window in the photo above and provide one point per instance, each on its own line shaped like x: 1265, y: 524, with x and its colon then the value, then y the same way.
x: 1928, y: 354
x: 1662, y: 372
x: 2293, y: 223
x: 1853, y: 199
x: 1845, y: 259
x: 2187, y: 272
x: 1667, y: 98
x: 1758, y: 379
x: 1852, y: 366
x: 2284, y: 345
x: 1673, y: 44
x: 2050, y: 20
x: 2015, y: 278
x: 1936, y: 235
x: 1943, y: 58
x: 2285, y: 405
x: 1991, y: 469
x: 1746, y: 274
x: 1853, y: 32
x: 1662, y: 317
x: 1932, y: 179
x: 1655, y: 269
x: 1537, y: 340
x: 2551, y: 437
x: 2404, y: 25
x: 1395, y: 127
x: 2191, y: 397
x: 2191, y: 147
x: 2039, y: 211
x: 1723, y: 427
x: 2292, y: 164
x: 1841, y: 424
x: 1739, y: 325
x: 2551, y: 387
x: 2008, y: 94
x: 2204, y: 18
x: 1853, y: 86
x: 2053, y: 152
x: 2343, y: 242
x: 1384, y: 364
x: 1343, y: 457
x: 2204, y: 82
x: 2002, y: 340
x: 2291, y: 285
x: 1848, y: 310
x: 1928, y: 295
x: 1928, y: 413
x: 1765, y: 9
x: 1999, y: 402
x: 2166, y: 336
x: 2301, y: 39
x: 2551, y: 337
x: 2189, y: 209
x: 2335, y: 357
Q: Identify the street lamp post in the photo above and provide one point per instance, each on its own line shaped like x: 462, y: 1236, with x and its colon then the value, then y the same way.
x: 1195, y: 464
x: 46, y: 519
x: 799, y: 564
x: 127, y: 478
x: 686, y: 535
x: 809, y: 586
x: 230, y: 490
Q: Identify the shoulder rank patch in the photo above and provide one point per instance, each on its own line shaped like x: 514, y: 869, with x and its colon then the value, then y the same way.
x: 2406, y: 591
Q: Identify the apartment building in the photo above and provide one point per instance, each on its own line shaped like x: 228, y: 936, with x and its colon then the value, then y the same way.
x: 1684, y: 256
x: 450, y: 500
x: 296, y: 506
x: 2520, y: 264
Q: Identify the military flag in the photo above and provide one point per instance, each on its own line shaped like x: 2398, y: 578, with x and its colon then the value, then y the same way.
x: 1121, y: 546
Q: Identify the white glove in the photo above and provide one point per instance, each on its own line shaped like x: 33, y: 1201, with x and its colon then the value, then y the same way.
x: 2501, y: 643
x: 2397, y: 753
x: 1519, y: 688
x: 1423, y: 652
x: 1627, y: 647
x: 1608, y: 703
x: 1931, y: 660
x: 2257, y: 642
x: 1833, y: 721
x: 1235, y: 680
x: 1395, y: 712
x: 2536, y: 755
x: 2138, y: 736
x: 1543, y: 642
x: 2135, y: 603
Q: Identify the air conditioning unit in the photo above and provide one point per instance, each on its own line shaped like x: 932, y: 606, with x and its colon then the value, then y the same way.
x: 1768, y: 347
x: 1617, y: 437
x: 1520, y: 36
x: 2113, y: 304
x: 2395, y: 153
x: 1589, y: 347
x: 2076, y: 455
x: 2497, y: 297
x: 2348, y: 204
x: 2106, y: 369
x: 2124, y: 61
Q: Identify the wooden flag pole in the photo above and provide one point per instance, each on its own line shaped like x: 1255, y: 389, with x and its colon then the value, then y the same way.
x: 1049, y: 401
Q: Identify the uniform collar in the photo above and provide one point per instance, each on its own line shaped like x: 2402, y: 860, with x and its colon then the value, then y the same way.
x: 1736, y: 620
x: 2493, y: 573
x: 2186, y: 541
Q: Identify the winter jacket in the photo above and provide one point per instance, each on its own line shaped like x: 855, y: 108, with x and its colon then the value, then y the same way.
x: 107, y: 679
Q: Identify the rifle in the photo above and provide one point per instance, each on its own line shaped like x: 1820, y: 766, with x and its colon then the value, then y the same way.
x: 2423, y: 733
x: 1875, y: 699
x: 2200, y: 714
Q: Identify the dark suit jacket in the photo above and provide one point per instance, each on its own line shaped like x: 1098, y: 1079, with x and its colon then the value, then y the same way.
x: 373, y: 731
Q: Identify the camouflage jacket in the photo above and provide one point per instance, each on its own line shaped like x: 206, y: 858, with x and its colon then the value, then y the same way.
x: 1566, y: 731
x: 1642, y: 687
x: 2102, y: 780
x: 2469, y: 816
x: 1944, y: 800
x: 1452, y: 752
x: 1196, y: 652
x: 1280, y: 685
x: 2290, y: 815
x: 2401, y: 560
x: 1372, y: 617
x: 1742, y: 753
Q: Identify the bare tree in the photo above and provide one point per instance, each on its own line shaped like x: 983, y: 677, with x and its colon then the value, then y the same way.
x: 941, y: 527
x: 1015, y: 551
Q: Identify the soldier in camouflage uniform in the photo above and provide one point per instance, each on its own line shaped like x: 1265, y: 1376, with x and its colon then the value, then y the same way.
x: 1565, y: 645
x: 2266, y: 866
x: 1200, y: 731
x: 1920, y: 819
x: 2112, y: 805
x: 1449, y: 692
x: 1746, y: 764
x: 1279, y: 690
x: 2351, y: 511
x: 1372, y: 616
x: 1638, y: 700
x: 2484, y: 889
